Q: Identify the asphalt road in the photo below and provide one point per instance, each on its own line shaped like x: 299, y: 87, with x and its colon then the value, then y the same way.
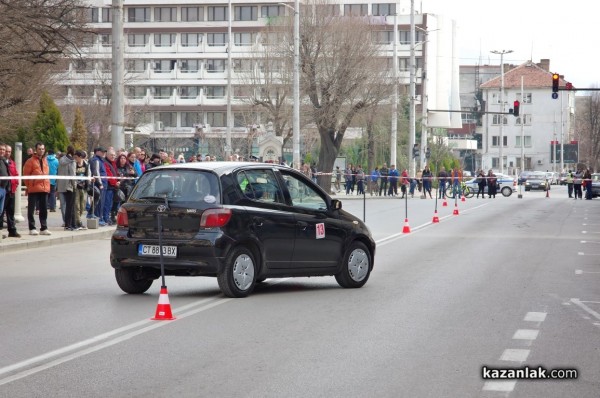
x: 507, y: 283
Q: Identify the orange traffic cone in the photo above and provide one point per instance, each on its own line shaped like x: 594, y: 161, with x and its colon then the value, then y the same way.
x: 406, y: 229
x: 163, y: 309
x: 547, y: 193
x: 435, y: 217
x: 463, y: 199
x: 445, y: 204
x: 455, y: 212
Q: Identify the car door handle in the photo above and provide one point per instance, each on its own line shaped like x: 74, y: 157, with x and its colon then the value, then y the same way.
x: 302, y: 225
x: 258, y: 222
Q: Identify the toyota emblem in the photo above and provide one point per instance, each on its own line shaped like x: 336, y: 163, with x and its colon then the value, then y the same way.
x: 161, y: 208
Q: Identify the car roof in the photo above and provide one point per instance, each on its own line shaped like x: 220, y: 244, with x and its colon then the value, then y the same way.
x: 219, y: 168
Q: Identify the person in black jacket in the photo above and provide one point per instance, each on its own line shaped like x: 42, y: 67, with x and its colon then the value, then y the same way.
x: 4, y: 184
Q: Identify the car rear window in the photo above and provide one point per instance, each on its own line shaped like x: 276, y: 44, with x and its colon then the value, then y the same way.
x: 178, y: 185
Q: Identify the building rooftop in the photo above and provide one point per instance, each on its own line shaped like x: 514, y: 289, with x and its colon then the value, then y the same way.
x: 534, y: 76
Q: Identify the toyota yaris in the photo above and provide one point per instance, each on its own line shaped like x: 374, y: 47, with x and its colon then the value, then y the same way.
x: 238, y: 222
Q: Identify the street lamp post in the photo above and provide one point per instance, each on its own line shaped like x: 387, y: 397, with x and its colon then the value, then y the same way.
x: 229, y: 116
x: 501, y: 143
x: 296, y: 88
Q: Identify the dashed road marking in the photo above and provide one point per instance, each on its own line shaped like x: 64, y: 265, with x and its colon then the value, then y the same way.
x: 515, y: 355
x: 584, y: 307
x: 535, y: 316
x: 500, y: 386
x: 526, y: 334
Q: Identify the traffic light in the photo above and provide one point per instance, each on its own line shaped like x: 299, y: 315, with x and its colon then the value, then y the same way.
x: 427, y: 153
x: 555, y: 78
x: 516, y: 106
x: 415, y: 151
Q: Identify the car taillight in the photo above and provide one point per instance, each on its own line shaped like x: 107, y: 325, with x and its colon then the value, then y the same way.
x: 122, y: 219
x: 214, y: 218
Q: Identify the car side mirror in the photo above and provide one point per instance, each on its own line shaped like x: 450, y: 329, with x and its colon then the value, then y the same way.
x: 336, y: 204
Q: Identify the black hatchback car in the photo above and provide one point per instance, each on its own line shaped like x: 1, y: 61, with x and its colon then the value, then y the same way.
x: 238, y: 222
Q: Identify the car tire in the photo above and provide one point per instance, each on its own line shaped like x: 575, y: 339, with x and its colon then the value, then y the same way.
x: 130, y: 281
x: 237, y: 279
x: 506, y: 191
x: 356, y: 266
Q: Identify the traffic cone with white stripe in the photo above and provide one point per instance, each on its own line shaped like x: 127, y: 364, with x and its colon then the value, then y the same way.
x: 406, y: 229
x: 463, y: 199
x: 445, y: 203
x: 435, y: 217
x: 163, y: 309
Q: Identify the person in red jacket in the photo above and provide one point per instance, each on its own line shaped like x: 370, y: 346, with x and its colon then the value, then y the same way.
x: 113, y: 184
x: 37, y: 189
x: 9, y: 203
x: 404, y: 181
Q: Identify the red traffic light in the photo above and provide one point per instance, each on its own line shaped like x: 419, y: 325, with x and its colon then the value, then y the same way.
x: 516, y: 106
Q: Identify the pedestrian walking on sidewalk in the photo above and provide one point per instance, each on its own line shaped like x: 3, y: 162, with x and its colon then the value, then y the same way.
x: 9, y: 201
x: 66, y: 188
x: 37, y: 189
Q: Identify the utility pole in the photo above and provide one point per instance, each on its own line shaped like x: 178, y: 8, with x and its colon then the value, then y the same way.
x: 394, y: 138
x: 501, y: 143
x: 411, y: 139
x: 117, y: 128
x: 296, y: 121
x: 522, y: 140
x: 229, y: 115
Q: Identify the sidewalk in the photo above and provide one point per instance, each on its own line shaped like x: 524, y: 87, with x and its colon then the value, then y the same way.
x: 59, y: 235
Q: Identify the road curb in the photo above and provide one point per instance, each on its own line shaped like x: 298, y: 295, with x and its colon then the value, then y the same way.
x: 10, y: 245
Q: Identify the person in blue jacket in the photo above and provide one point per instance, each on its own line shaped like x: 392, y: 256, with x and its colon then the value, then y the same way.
x: 53, y: 170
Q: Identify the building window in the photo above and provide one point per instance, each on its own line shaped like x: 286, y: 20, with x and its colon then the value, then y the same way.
x: 138, y: 14
x: 355, y: 10
x: 272, y: 11
x: 135, y: 92
x: 216, y: 119
x: 526, y: 120
x: 382, y: 37
x: 165, y: 14
x: 137, y: 40
x: 496, y: 119
x: 383, y: 9
x: 320, y: 9
x: 496, y: 140
x: 215, y: 65
x: 164, y: 39
x: 107, y: 14
x: 106, y: 40
x: 188, y: 119
x: 169, y: 119
x: 526, y: 98
x: 404, y: 63
x: 244, y: 39
x: 213, y: 92
x: 103, y: 65
x: 164, y: 65
x: 246, y: 13
x: 217, y: 13
x: 242, y: 65
x: 93, y: 15
x: 82, y: 91
x: 189, y: 65
x: 162, y: 92
x: 242, y: 91
x: 239, y: 119
x: 216, y: 39
x: 83, y: 65
x: 526, y: 141
x: 404, y: 36
x: 191, y: 14
x: 191, y: 39
x: 136, y: 65
x: 189, y: 91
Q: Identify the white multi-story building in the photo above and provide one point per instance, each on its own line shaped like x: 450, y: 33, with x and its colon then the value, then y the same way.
x: 176, y: 63
x: 542, y: 125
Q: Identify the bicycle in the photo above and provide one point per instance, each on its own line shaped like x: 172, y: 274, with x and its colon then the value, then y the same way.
x: 464, y: 190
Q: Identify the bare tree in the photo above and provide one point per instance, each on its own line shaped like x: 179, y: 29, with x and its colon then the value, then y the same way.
x: 588, y: 125
x: 34, y: 35
x: 342, y: 75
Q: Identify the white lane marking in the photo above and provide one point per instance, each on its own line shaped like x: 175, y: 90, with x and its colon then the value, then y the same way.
x: 580, y: 253
x: 106, y: 344
x: 535, y: 316
x: 526, y: 334
x: 584, y: 307
x: 579, y: 272
x: 515, y: 355
x: 501, y: 386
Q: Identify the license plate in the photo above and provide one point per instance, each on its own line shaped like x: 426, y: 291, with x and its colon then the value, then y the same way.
x: 535, y: 186
x: 153, y: 250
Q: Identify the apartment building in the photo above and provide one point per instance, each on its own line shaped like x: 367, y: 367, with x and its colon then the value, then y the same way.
x: 177, y: 66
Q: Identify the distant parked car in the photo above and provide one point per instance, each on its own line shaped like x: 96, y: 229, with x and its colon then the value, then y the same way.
x: 523, y: 176
x: 505, y: 183
x: 595, y: 185
x: 552, y: 177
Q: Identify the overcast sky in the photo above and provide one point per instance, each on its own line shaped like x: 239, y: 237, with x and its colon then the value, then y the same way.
x: 566, y: 32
